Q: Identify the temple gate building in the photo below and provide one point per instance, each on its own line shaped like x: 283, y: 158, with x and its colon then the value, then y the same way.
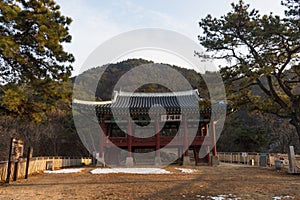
x: 165, y: 124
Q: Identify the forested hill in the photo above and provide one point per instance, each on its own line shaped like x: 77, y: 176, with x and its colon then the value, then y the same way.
x: 242, y: 132
x: 112, y: 73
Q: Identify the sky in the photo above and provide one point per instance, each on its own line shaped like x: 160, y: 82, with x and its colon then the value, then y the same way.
x: 96, y: 21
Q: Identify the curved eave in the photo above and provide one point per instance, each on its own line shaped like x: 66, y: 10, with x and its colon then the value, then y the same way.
x: 92, y: 103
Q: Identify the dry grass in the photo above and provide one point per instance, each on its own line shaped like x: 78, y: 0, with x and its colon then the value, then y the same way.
x: 239, y: 181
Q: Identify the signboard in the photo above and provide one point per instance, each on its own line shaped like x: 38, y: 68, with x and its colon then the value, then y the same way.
x: 17, y: 150
x: 15, y: 153
x: 244, y: 154
x: 171, y: 118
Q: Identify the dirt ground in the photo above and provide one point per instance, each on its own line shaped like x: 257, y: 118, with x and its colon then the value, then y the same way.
x: 231, y: 181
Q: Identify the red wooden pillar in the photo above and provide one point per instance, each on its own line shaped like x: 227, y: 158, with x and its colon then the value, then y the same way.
x: 157, y: 159
x: 186, y: 152
x: 207, y: 147
x: 129, y: 138
x: 214, y: 140
x: 208, y: 155
x: 179, y: 152
x: 186, y: 158
x: 101, y: 151
x: 107, y: 133
x: 157, y: 139
x: 206, y: 129
x: 202, y: 129
x: 196, y: 154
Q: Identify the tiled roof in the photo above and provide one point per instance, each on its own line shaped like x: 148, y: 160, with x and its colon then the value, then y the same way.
x: 185, y: 99
x: 140, y: 103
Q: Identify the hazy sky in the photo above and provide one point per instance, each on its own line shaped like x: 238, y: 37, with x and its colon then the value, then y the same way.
x: 95, y: 21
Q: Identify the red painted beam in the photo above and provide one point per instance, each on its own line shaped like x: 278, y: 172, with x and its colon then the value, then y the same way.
x: 164, y: 140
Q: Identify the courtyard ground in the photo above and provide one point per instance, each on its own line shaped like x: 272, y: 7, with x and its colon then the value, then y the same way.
x: 225, y: 181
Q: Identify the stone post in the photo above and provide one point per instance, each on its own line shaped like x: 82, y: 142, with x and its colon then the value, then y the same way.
x: 292, y: 161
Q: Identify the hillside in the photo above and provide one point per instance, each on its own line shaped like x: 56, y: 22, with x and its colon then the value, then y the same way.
x: 108, y: 76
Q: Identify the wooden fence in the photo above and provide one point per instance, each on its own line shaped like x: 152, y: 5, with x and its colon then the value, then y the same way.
x: 38, y: 164
x: 255, y: 159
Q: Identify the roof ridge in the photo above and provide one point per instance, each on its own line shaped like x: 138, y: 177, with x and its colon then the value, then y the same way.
x: 157, y: 94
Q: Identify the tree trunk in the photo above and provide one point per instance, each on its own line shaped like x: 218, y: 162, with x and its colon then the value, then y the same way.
x: 295, y: 121
x: 295, y: 118
x: 298, y: 131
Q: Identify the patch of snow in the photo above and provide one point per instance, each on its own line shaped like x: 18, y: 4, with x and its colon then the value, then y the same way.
x: 185, y: 170
x: 130, y: 171
x: 282, y: 197
x: 219, y: 197
x: 64, y: 171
